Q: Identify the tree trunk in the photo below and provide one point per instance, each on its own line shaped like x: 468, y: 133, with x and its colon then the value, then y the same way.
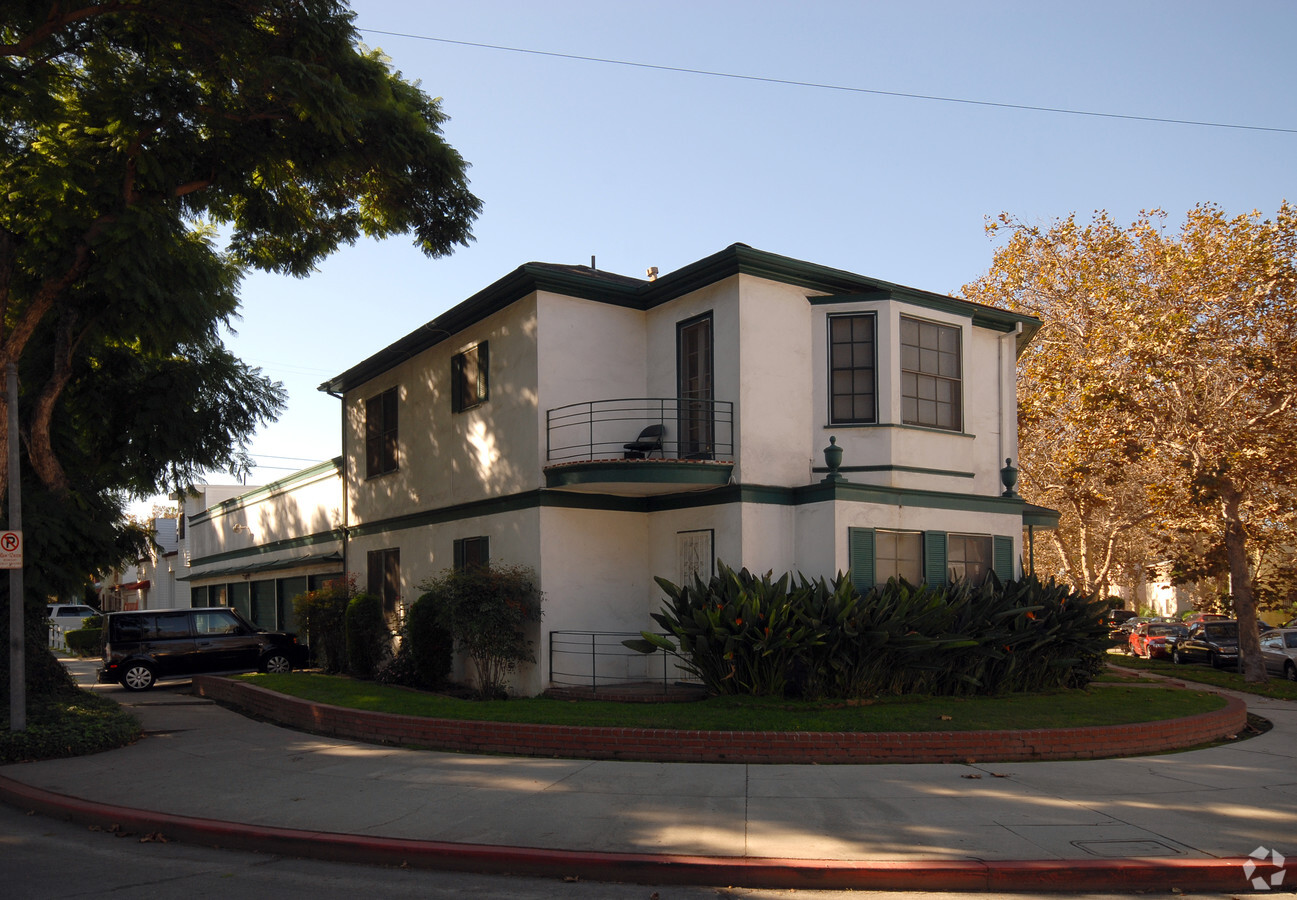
x: 1240, y: 576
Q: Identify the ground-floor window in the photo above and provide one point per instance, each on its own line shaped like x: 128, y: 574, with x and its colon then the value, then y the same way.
x: 968, y: 557
x: 383, y: 577
x: 695, y: 553
x: 898, y: 554
x: 931, y: 557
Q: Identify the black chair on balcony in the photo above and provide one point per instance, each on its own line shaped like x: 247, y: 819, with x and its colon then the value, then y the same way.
x: 648, y: 443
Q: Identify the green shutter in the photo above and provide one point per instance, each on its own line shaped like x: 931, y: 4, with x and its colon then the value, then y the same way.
x: 483, y: 369
x: 934, y: 558
x: 860, y: 557
x: 1003, y: 557
x: 456, y: 382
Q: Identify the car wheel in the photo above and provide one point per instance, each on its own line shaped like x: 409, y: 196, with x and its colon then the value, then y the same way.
x: 1290, y: 672
x: 1215, y: 660
x: 138, y: 677
x: 277, y: 664
x: 1176, y: 658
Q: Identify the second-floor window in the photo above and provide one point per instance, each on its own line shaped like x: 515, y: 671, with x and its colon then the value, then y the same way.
x: 931, y: 380
x: 380, y: 434
x: 469, y: 382
x: 852, y: 385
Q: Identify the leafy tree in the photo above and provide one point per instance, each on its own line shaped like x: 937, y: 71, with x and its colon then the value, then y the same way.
x: 1179, y: 398
x: 151, y: 152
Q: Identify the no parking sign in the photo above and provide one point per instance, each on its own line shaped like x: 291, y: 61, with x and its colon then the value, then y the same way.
x: 11, y: 549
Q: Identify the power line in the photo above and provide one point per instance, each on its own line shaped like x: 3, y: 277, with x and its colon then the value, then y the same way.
x: 837, y: 87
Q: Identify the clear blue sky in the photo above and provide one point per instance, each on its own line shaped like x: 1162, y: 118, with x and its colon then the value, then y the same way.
x: 643, y: 166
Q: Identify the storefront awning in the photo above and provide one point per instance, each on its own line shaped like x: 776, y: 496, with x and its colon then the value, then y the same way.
x: 132, y: 586
x: 269, y: 565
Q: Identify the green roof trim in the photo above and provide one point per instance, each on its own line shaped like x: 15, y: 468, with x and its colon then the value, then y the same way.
x: 304, y: 476
x: 634, y: 293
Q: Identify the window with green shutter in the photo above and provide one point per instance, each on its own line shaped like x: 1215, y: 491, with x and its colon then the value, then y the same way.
x: 860, y: 557
x: 934, y: 558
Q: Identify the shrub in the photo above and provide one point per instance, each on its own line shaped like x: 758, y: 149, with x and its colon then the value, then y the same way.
x: 369, y: 640
x: 486, y: 609
x: 743, y: 634
x: 431, y: 645
x: 85, y: 641
x: 321, y: 617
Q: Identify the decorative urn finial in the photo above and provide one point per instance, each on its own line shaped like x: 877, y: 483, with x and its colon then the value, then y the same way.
x: 1009, y: 475
x: 833, y: 459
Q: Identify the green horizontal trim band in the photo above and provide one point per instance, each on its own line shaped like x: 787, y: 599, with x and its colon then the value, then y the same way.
x: 734, y: 493
x: 915, y: 469
x: 310, y: 540
x: 646, y: 472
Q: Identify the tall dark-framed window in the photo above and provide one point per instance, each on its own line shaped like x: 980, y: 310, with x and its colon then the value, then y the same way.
x: 383, y: 577
x: 695, y: 388
x: 931, y: 379
x: 380, y: 434
x: 472, y: 553
x: 853, y: 392
x: 470, y: 378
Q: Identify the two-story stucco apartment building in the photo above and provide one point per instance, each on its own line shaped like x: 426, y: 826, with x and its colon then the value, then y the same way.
x: 604, y: 430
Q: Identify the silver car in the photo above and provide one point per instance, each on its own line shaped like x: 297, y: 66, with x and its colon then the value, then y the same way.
x: 1279, y: 652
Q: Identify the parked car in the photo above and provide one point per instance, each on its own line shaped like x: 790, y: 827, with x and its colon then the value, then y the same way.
x: 1279, y: 652
x: 69, y: 616
x: 1152, y: 639
x: 1210, y: 642
x: 1197, y: 617
x: 142, y: 647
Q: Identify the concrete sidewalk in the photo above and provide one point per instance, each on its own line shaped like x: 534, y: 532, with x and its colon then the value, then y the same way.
x: 202, y: 772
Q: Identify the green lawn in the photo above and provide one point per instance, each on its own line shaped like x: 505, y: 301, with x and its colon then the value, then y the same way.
x: 1102, y: 705
x: 1277, y: 687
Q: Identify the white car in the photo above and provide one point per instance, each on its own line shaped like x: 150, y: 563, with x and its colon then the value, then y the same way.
x: 1279, y: 652
x: 69, y: 616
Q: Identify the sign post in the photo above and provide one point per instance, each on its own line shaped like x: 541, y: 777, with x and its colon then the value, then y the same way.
x: 13, y: 538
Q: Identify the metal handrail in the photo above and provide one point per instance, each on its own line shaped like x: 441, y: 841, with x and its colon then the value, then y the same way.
x: 597, y: 659
x: 601, y: 429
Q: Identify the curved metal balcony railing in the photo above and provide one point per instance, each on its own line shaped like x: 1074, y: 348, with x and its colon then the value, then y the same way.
x: 602, y: 429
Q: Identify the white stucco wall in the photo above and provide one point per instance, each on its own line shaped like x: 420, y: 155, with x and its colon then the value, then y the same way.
x: 588, y: 352
x: 447, y: 458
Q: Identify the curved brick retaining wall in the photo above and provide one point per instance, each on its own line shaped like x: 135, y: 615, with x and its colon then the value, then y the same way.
x: 661, y: 745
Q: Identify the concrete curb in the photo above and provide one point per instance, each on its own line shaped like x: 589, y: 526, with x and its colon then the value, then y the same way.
x: 664, y: 745
x: 751, y: 872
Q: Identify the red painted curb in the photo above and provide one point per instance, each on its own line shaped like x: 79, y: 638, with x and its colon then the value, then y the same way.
x: 640, y: 868
x: 663, y: 745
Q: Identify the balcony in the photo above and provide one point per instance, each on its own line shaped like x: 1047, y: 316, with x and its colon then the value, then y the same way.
x: 595, y: 447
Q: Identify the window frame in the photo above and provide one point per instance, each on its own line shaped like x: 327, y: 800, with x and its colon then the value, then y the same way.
x: 883, y: 573
x: 382, y: 433
x: 383, y: 578
x: 922, y: 376
x: 466, y: 395
x: 833, y: 370
x: 963, y: 541
x: 480, y: 548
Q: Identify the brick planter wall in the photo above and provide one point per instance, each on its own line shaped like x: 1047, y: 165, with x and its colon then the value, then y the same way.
x: 661, y: 745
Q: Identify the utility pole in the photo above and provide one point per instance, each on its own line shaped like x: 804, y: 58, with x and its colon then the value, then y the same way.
x: 17, y: 642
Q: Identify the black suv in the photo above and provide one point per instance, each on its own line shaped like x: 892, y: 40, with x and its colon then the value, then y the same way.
x: 1212, y: 642
x: 141, y: 647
